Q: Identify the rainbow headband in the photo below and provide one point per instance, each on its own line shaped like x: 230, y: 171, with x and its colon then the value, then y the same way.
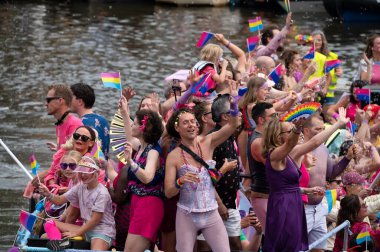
x: 302, y: 111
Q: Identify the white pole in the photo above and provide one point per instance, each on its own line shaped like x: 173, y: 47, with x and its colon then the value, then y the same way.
x: 16, y: 159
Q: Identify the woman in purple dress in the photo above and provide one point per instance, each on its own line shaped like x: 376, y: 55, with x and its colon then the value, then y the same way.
x: 286, y: 228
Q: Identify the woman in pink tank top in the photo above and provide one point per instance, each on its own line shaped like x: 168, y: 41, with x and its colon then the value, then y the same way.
x: 370, y: 70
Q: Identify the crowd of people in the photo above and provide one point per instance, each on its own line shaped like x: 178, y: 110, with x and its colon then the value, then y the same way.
x: 187, y: 159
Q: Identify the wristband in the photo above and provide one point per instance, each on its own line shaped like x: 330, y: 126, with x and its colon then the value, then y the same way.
x: 134, y: 167
x: 284, y: 101
x: 335, y: 115
x: 365, y: 121
x: 178, y: 183
x: 299, y: 97
x: 228, y: 44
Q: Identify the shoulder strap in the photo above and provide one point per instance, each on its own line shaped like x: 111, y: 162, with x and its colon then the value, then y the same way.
x: 194, y: 155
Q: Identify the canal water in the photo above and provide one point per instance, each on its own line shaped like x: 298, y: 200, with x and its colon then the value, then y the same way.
x: 46, y: 42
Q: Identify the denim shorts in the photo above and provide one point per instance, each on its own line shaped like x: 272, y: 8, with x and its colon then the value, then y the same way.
x: 93, y: 235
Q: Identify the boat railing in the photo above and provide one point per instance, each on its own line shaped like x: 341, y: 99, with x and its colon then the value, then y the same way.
x: 345, y: 225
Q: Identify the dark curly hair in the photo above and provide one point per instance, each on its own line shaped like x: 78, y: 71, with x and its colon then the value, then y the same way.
x: 199, y: 111
x: 154, y: 127
x: 170, y: 125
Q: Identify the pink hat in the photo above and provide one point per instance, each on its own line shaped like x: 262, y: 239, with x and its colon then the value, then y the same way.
x: 353, y: 177
x: 87, y: 165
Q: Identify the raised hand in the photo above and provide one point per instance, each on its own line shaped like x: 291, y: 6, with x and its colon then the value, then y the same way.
x: 342, y: 119
x: 155, y: 102
x: 289, y: 21
x: 128, y: 152
x: 128, y: 93
x: 123, y: 106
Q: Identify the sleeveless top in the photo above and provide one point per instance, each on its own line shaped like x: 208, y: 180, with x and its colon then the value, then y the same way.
x: 248, y: 123
x: 196, y: 197
x: 153, y: 188
x: 351, y: 110
x: 257, y: 169
x: 375, y: 75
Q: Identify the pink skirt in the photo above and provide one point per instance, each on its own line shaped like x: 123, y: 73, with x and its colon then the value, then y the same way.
x: 146, y: 216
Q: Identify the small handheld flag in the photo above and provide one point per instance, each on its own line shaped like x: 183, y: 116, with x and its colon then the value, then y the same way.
x: 33, y: 164
x: 252, y: 42
x: 27, y: 220
x: 310, y: 54
x: 205, y: 37
x: 363, y: 94
x: 276, y: 74
x: 331, y: 196
x: 111, y: 80
x: 255, y: 24
x: 331, y: 64
x: 363, y: 237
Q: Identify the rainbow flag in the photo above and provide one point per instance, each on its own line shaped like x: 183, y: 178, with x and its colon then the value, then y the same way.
x: 33, y: 164
x: 205, y: 37
x: 331, y: 196
x: 96, y: 151
x: 363, y: 237
x: 310, y: 54
x: 331, y: 64
x: 276, y: 74
x: 111, y: 80
x: 255, y: 24
x: 363, y: 94
x: 252, y: 42
x: 27, y: 220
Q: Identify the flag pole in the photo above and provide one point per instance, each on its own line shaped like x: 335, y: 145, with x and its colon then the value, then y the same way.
x: 121, y: 87
x: 16, y: 160
x: 288, y: 5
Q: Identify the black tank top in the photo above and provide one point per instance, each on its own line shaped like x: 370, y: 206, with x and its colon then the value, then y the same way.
x: 257, y: 169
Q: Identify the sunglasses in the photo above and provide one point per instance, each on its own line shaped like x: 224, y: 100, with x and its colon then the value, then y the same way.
x: 49, y: 99
x: 78, y: 136
x: 64, y: 166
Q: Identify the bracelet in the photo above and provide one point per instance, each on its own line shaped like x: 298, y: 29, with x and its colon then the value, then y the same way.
x: 296, y: 131
x: 228, y: 44
x: 335, y: 115
x: 299, y: 97
x: 284, y: 101
x: 134, y: 167
x: 178, y: 183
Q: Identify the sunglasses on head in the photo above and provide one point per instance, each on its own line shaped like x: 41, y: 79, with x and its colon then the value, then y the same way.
x: 78, y: 136
x: 49, y: 99
x: 64, y: 166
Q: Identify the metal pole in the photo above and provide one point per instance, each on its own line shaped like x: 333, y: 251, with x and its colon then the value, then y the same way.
x: 345, y: 239
x: 345, y: 225
x: 16, y: 159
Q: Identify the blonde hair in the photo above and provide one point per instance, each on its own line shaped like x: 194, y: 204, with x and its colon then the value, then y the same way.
x: 211, y: 53
x: 254, y: 83
x: 69, y: 144
x: 73, y: 154
x: 271, y: 135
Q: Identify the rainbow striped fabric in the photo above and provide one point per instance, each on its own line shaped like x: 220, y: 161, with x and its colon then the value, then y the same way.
x: 252, y: 42
x: 331, y: 64
x: 331, y: 196
x: 276, y: 74
x: 363, y: 237
x: 96, y: 151
x: 27, y: 220
x: 34, y: 165
x: 255, y: 24
x: 205, y: 37
x: 310, y: 54
x: 111, y: 80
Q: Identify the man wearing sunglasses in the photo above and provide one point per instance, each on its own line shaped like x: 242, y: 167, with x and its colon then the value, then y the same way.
x: 83, y: 101
x: 58, y: 102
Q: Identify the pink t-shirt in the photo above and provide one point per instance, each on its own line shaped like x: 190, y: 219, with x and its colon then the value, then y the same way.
x: 375, y: 76
x: 66, y: 129
x: 94, y: 200
x: 304, y: 181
